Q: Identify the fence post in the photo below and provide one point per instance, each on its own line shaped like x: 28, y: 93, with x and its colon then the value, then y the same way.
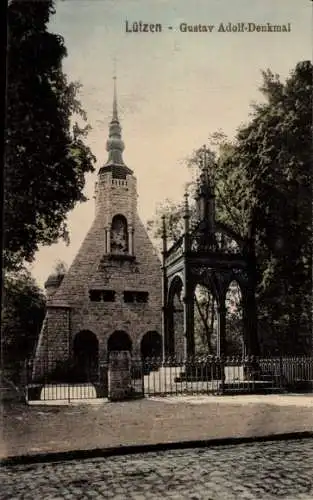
x: 280, y: 371
x: 119, y: 375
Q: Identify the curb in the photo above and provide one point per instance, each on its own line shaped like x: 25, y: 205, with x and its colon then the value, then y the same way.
x: 146, y: 448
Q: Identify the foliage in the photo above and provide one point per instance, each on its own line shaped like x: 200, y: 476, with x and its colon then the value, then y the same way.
x: 46, y: 157
x: 173, y: 213
x: 205, y: 321
x: 22, y: 315
x: 234, y: 320
x: 274, y: 153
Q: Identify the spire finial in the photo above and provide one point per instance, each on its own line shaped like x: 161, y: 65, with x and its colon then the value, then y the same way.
x: 115, y: 116
x: 114, y: 66
x: 186, y: 212
x: 164, y: 234
x: 186, y: 203
x: 115, y: 144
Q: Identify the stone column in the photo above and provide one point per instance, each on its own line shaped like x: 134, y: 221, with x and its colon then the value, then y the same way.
x: 165, y: 308
x: 105, y: 240
x: 108, y: 241
x: 164, y: 316
x: 251, y: 343
x: 170, y: 335
x: 131, y: 240
x: 189, y: 324
x: 249, y: 296
x: 221, y: 329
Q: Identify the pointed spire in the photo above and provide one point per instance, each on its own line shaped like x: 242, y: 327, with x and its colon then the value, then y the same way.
x: 205, y: 189
x: 114, y: 116
x: 164, y: 234
x: 186, y: 205
x: 206, y: 178
x: 115, y: 145
x: 186, y: 212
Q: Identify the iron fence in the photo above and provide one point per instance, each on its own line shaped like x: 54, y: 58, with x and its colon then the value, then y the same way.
x: 212, y: 375
x: 149, y: 377
x: 291, y: 373
x: 54, y: 380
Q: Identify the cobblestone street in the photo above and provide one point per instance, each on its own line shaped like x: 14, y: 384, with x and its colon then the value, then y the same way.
x: 282, y: 469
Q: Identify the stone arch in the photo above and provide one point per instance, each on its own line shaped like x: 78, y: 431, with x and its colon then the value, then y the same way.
x: 234, y: 322
x: 175, y: 287
x: 210, y: 281
x: 240, y: 277
x: 119, y: 235
x: 174, y: 338
x: 151, y: 345
x: 119, y: 341
x: 86, y: 355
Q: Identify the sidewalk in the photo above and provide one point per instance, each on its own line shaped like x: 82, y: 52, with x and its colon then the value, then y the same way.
x: 31, y: 430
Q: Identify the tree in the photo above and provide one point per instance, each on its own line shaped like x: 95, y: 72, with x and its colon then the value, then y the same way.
x: 22, y: 315
x: 173, y: 213
x: 274, y: 153
x: 205, y: 321
x: 234, y: 320
x: 46, y: 158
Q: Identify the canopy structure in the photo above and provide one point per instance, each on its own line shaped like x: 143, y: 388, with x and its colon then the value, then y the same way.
x: 213, y: 255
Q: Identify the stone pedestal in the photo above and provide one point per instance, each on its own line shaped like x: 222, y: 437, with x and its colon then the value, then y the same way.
x: 119, y: 376
x: 234, y: 373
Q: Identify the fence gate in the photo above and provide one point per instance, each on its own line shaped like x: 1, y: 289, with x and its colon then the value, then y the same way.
x: 63, y: 381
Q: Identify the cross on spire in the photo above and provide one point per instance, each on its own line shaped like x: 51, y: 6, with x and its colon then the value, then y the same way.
x: 115, y: 115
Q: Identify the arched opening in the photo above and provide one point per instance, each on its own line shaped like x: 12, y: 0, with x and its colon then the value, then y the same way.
x: 119, y: 341
x: 119, y: 235
x: 174, y: 338
x: 205, y: 321
x: 234, y: 341
x: 151, y: 345
x: 86, y: 356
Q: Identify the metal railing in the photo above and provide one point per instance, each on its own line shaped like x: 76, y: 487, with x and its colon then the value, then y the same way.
x: 52, y: 380
x: 212, y: 375
x: 171, y: 376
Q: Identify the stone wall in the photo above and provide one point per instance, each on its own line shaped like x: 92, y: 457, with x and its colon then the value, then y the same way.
x: 54, y: 340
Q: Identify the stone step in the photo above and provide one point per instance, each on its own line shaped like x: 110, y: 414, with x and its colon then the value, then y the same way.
x: 255, y: 390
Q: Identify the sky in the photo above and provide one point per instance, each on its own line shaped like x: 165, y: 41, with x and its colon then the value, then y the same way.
x: 174, y: 88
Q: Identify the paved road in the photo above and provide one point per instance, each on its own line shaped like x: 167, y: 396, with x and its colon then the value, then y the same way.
x: 270, y: 470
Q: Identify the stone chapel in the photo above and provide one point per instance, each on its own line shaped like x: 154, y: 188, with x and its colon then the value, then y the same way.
x: 111, y: 297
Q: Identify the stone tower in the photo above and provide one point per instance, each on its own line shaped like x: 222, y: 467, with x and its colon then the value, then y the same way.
x: 111, y: 297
